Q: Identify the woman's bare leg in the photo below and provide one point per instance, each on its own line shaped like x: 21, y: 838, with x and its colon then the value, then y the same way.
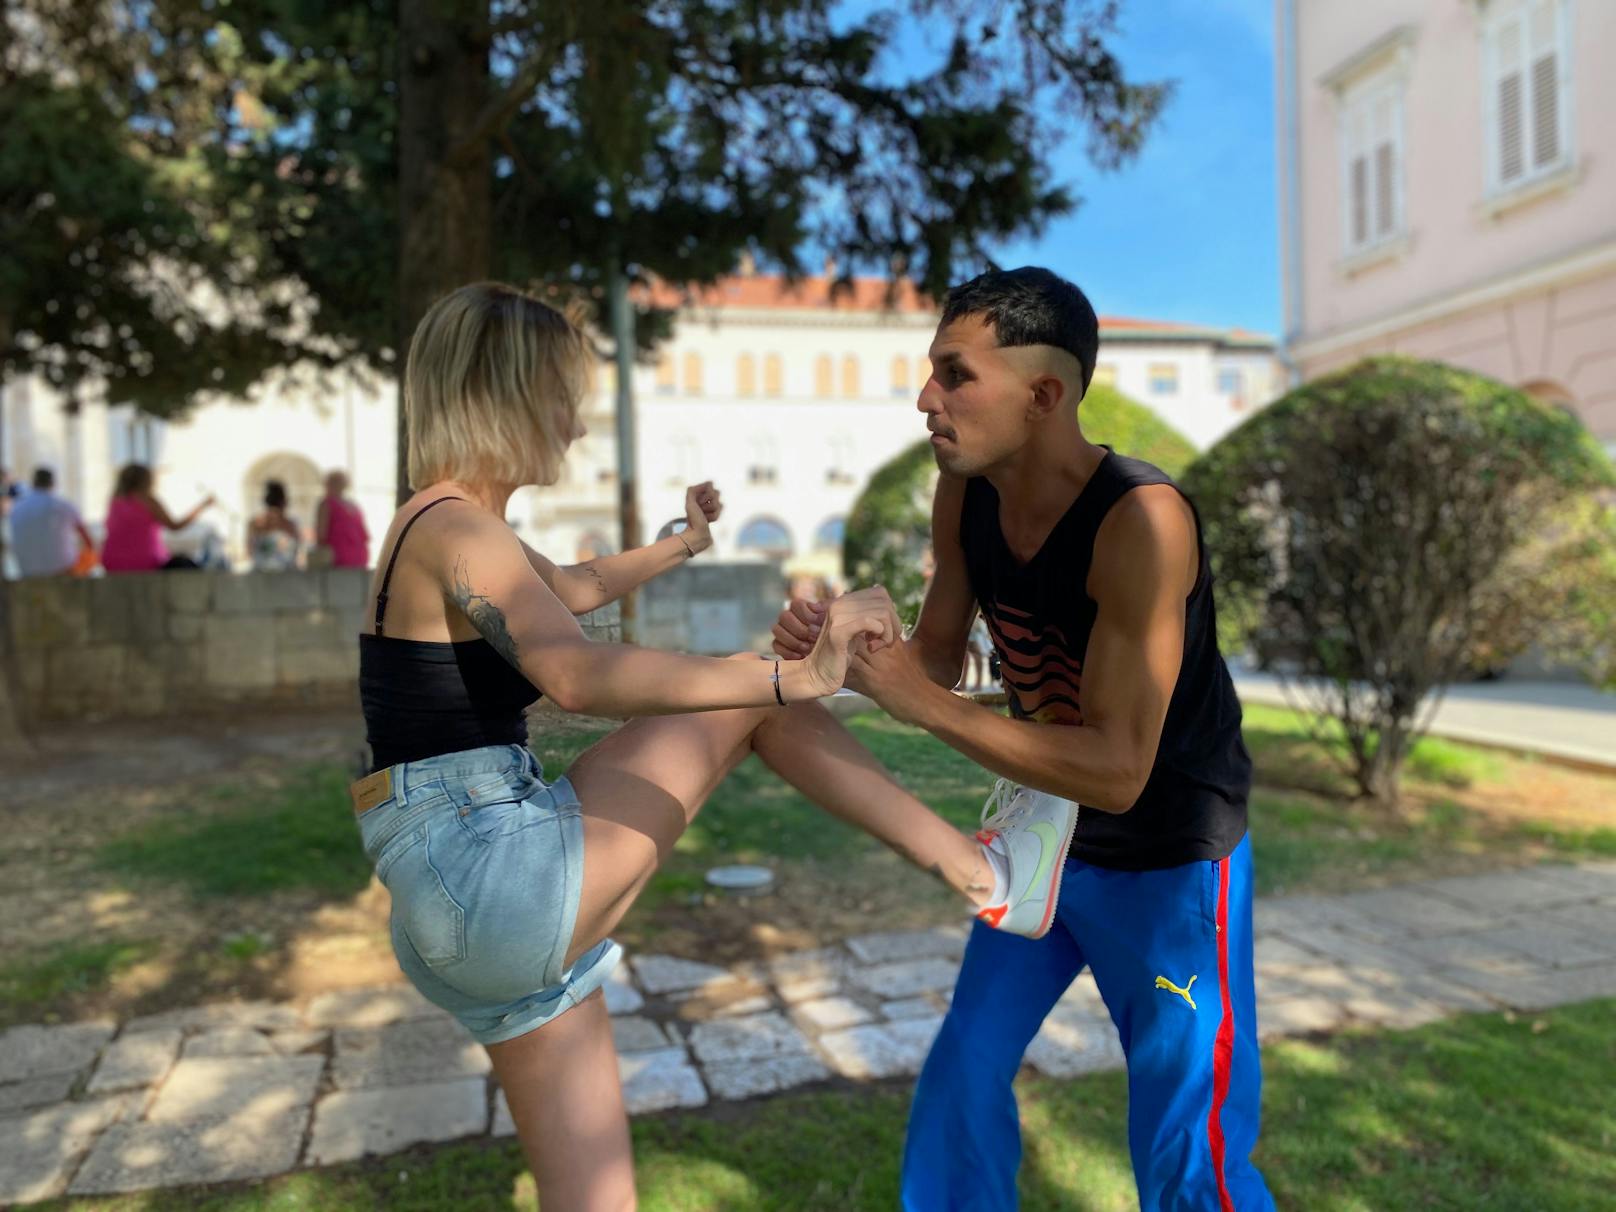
x: 640, y: 788
x: 561, y: 1082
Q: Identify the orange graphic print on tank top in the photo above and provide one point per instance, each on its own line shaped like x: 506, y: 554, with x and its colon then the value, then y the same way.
x: 1042, y: 677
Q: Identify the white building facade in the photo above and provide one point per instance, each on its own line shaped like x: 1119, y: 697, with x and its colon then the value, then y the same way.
x: 788, y: 397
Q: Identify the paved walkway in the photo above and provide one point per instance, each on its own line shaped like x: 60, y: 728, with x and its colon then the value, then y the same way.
x: 1558, y: 719
x: 240, y: 1091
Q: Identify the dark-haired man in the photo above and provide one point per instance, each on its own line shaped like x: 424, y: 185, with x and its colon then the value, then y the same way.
x: 1088, y: 569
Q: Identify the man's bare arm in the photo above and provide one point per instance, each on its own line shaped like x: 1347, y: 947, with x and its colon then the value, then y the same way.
x: 939, y: 635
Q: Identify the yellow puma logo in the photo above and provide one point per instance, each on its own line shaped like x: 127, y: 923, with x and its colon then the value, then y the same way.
x: 1163, y: 983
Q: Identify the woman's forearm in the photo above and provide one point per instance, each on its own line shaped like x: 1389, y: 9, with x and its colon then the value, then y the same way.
x: 588, y: 586
x: 622, y: 681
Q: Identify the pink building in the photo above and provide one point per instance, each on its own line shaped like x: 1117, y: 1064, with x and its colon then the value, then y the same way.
x: 1448, y: 189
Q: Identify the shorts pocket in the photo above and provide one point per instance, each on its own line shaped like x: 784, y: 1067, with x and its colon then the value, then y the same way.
x: 433, y: 920
x: 500, y: 807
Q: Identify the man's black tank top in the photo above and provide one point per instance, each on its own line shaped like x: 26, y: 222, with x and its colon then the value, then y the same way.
x: 1193, y: 807
x: 422, y: 698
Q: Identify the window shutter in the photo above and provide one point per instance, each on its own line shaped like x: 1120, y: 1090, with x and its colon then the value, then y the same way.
x: 1385, y: 165
x: 1545, y: 58
x: 1360, y: 201
x: 1511, y: 102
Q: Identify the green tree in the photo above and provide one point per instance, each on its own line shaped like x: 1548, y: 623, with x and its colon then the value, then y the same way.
x: 1381, y: 530
x: 889, y: 528
x: 410, y: 148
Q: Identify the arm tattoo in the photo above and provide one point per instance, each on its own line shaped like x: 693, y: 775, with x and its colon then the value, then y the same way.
x: 487, y: 618
x: 600, y: 581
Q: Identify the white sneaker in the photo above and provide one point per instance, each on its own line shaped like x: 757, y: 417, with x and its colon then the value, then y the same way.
x: 1031, y: 831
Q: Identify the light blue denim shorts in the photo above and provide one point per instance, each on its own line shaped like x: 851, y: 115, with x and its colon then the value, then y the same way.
x: 484, y: 861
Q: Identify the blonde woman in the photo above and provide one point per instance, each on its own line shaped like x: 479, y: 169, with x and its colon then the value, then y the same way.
x: 505, y: 884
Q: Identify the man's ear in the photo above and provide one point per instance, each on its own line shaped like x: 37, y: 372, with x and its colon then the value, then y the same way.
x: 1049, y: 394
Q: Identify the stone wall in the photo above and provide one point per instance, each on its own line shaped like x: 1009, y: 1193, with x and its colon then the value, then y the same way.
x: 179, y: 642
x: 712, y: 608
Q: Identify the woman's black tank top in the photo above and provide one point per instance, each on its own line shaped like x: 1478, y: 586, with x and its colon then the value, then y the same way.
x: 422, y: 698
x: 1193, y: 807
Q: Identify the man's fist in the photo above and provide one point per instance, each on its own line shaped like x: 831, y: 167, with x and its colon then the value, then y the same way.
x: 797, y: 629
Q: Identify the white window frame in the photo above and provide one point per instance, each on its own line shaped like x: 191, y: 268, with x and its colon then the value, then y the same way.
x: 1496, y: 17
x: 1358, y: 103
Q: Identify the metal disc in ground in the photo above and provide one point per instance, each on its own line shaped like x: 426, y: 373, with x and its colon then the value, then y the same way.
x: 741, y: 879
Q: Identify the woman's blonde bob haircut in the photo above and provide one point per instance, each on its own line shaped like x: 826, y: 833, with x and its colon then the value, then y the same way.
x: 492, y: 388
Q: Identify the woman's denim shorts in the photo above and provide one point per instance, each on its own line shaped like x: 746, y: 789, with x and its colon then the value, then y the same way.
x: 484, y: 861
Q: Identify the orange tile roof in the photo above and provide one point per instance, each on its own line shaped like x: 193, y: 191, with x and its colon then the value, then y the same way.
x: 765, y: 291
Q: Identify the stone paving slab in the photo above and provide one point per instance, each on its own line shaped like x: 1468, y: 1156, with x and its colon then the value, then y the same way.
x: 1470, y: 952
x: 794, y: 992
x: 1506, y: 893
x: 405, y: 1054
x: 881, y: 1050
x: 135, y: 1061
x: 246, y: 1090
x: 942, y: 943
x: 760, y: 1037
x: 290, y: 1043
x: 749, y: 1079
x: 39, y: 1150
x: 35, y: 1092
x: 35, y: 1051
x: 1413, y: 911
x: 660, y: 974
x: 910, y: 1007
x: 143, y: 1156
x: 350, y: 1124
x: 1558, y: 987
x: 621, y: 995
x: 1070, y: 1044
x: 801, y: 967
x: 376, y: 1006
x: 830, y: 1013
x: 638, y: 1035
x: 231, y: 1041
x: 265, y: 1015
x: 1275, y: 951
x: 906, y: 978
x: 660, y: 1081
x: 1556, y: 946
x: 1397, y: 1008
x: 1591, y: 917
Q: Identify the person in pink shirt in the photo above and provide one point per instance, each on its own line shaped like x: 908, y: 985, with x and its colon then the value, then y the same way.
x: 136, y: 520
x: 339, y: 526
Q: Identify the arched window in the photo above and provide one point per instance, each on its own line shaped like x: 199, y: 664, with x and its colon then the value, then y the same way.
x: 765, y: 537
x: 923, y: 370
x: 850, y: 377
x: 774, y: 375
x: 746, y: 375
x: 830, y: 533
x: 665, y: 385
x: 823, y: 371
x: 692, y: 374
x: 900, y: 376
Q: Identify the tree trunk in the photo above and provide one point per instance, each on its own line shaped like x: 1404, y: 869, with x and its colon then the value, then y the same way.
x: 444, y: 183
x: 14, y: 742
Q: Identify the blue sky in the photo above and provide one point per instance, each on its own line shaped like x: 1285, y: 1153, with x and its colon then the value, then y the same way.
x: 1187, y: 231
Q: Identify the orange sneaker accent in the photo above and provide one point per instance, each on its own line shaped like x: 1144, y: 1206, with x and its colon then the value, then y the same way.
x: 994, y: 914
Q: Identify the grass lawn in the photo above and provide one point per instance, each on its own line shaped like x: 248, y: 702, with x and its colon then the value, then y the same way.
x: 1486, y: 1113
x: 257, y: 887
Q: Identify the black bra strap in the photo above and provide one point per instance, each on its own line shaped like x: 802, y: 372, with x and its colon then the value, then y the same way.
x: 387, y: 577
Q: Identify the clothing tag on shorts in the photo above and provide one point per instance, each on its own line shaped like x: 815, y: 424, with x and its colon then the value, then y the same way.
x: 371, y: 790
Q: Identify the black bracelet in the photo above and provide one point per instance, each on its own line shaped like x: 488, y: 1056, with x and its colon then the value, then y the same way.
x: 778, y: 697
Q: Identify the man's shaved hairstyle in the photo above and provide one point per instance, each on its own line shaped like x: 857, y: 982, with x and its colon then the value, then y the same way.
x: 1031, y: 306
